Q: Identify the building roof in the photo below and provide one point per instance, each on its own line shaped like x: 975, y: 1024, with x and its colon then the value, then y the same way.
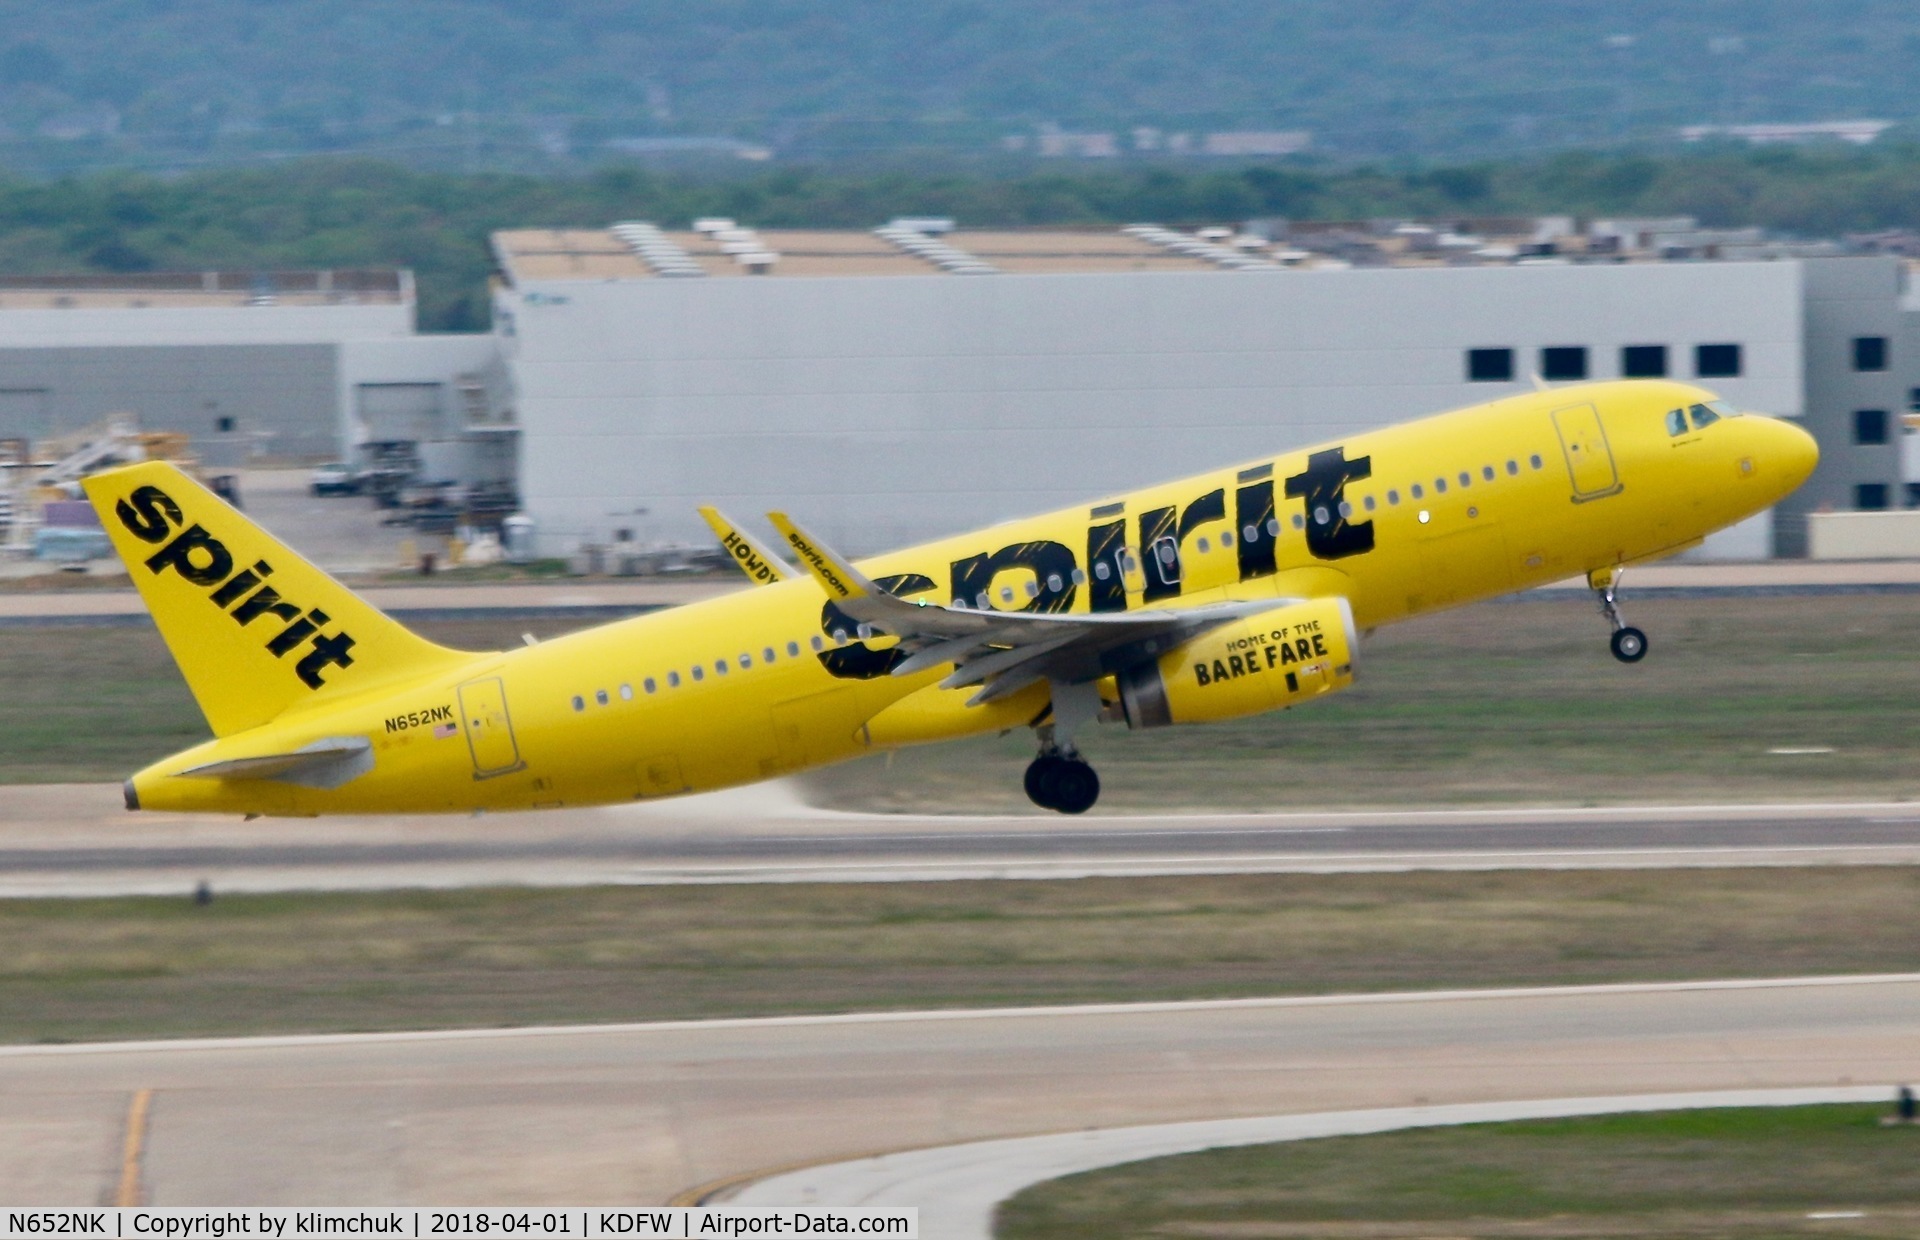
x: 176, y: 289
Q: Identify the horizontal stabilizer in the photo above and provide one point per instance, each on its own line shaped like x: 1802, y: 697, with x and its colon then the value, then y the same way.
x: 326, y: 763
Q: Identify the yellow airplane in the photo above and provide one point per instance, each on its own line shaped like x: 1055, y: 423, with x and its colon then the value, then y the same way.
x: 1218, y: 596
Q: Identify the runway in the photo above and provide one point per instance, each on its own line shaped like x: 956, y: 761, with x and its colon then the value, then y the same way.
x: 76, y: 840
x: 644, y: 1113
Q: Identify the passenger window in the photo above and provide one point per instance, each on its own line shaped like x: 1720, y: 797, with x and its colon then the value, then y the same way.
x: 626, y: 693
x: 1513, y: 469
x: 1079, y: 576
x: 1320, y: 516
x: 1205, y: 547
x: 1101, y: 570
x: 1299, y: 522
x: 1676, y: 421
x: 1251, y: 534
x: 720, y: 667
x: 793, y: 650
x: 673, y: 680
x: 579, y: 703
x: 1466, y: 479
x: 1535, y: 461
x: 1033, y: 589
x: 1439, y: 486
x: 1703, y: 417
x: 817, y: 643
x: 1393, y: 497
x: 766, y: 656
x: 1486, y: 472
x: 1226, y: 539
x: 648, y: 685
x: 1346, y: 509
x: 699, y: 673
x: 1273, y: 527
x: 840, y: 635
x: 600, y: 696
x: 1368, y: 502
x: 746, y: 661
x: 1056, y: 585
x: 1418, y: 492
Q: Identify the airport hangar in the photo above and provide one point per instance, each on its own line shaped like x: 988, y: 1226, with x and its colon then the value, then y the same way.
x: 260, y: 367
x: 893, y: 386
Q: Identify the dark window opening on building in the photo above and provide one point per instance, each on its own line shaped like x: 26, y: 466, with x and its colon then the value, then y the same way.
x: 1870, y: 496
x: 1869, y: 352
x: 1563, y: 362
x: 1489, y: 365
x: 1716, y: 361
x: 223, y: 424
x: 1643, y: 361
x: 1913, y: 495
x: 1869, y: 426
x: 1913, y: 399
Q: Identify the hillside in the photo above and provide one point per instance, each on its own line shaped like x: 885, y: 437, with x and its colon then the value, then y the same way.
x: 473, y: 83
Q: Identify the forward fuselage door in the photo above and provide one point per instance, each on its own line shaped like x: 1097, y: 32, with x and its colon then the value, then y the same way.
x: 1583, y: 442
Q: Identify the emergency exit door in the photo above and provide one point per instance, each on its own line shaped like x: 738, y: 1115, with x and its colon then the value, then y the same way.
x: 483, y: 713
x: 1583, y: 441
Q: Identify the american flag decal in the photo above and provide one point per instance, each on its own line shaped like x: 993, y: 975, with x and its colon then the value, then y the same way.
x: 445, y: 730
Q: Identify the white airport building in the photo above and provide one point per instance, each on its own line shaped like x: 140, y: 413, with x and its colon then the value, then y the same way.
x: 907, y: 382
x: 893, y: 386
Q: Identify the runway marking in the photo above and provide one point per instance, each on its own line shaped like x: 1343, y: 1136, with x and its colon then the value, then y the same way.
x: 1055, y: 1011
x: 129, y: 1193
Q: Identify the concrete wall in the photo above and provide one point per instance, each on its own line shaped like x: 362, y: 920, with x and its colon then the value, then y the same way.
x: 1863, y: 535
x: 235, y: 400
x: 181, y: 325
x: 1848, y: 298
x: 883, y: 411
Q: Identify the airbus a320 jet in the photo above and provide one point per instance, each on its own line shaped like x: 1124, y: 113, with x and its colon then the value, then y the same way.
x: 1213, y: 597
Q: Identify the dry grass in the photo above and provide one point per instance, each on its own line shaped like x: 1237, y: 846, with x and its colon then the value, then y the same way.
x: 1519, y: 703
x: 88, y: 969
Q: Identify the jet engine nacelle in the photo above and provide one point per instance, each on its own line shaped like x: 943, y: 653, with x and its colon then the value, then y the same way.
x: 1267, y: 661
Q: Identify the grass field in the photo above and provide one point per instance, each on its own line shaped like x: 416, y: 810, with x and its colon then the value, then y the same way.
x: 1752, y: 1173
x: 92, y: 969
x: 1515, y: 702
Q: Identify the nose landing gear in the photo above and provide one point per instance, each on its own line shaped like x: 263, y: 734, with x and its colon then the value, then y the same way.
x: 1629, y: 644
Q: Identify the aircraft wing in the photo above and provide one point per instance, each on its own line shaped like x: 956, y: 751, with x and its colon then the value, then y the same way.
x: 760, y: 565
x: 1004, y: 651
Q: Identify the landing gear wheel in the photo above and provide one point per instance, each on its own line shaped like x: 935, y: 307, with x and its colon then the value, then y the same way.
x: 1075, y: 787
x: 1629, y: 644
x: 1040, y: 779
x: 1065, y: 785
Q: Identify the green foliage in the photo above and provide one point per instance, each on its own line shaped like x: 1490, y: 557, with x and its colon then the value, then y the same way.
x: 471, y: 82
x: 320, y: 213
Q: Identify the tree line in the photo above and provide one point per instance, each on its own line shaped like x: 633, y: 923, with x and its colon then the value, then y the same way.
x: 358, y: 213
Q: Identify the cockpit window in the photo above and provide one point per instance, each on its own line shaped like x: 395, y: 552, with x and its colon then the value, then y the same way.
x: 1722, y: 408
x: 1703, y: 417
x: 1676, y: 421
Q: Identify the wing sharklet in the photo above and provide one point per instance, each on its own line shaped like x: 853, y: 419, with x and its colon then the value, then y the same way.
x: 760, y: 564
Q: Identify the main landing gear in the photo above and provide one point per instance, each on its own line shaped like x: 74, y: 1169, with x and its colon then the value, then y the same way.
x: 1062, y: 782
x: 1629, y: 644
x: 1060, y: 779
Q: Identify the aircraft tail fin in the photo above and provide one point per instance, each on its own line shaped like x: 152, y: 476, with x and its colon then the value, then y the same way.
x: 255, y: 629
